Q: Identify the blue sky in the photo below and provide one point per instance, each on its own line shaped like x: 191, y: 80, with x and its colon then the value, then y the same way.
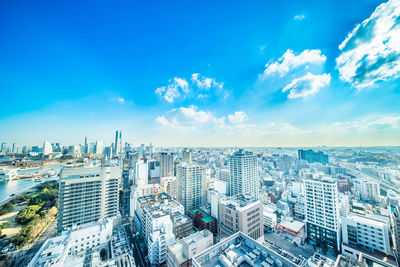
x: 201, y: 73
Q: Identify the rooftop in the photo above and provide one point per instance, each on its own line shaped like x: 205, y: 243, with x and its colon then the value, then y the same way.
x: 241, y: 250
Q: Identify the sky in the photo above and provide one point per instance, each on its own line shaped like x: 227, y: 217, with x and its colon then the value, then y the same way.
x: 201, y: 73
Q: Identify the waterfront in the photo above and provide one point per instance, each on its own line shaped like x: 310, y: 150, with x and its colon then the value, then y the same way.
x: 7, y: 188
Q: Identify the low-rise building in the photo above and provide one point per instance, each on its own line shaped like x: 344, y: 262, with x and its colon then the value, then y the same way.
x: 180, y: 253
x: 241, y: 250
x: 202, y: 221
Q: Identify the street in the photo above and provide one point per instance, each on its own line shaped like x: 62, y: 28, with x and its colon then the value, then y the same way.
x: 23, y: 257
x: 285, y: 244
x: 137, y: 254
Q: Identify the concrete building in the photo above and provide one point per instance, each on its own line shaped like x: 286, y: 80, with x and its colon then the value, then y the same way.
x: 192, y: 187
x: 169, y: 185
x: 323, y: 212
x: 214, y: 198
x: 367, y: 232
x: 187, y: 155
x: 395, y: 222
x: 370, y: 191
x: 243, y: 174
x: 166, y: 164
x: 72, y: 246
x: 241, y: 250
x: 180, y: 253
x: 47, y: 148
x: 87, y: 195
x: 242, y: 214
x: 269, y: 217
x: 224, y: 175
x: 202, y: 220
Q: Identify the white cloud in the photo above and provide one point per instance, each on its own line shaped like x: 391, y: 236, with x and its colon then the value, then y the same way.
x: 173, y: 90
x: 290, y: 61
x: 121, y: 100
x: 193, y: 118
x: 237, y: 117
x: 307, y: 85
x: 203, y: 82
x: 371, y: 52
x: 299, y: 17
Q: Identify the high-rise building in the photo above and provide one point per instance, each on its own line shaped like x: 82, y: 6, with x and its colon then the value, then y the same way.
x: 312, y: 157
x: 322, y: 210
x: 166, y: 164
x: 187, y: 155
x: 241, y: 213
x: 87, y: 195
x: 47, y: 149
x: 395, y: 222
x: 243, y: 174
x: 192, y: 185
x: 118, y: 143
x: 99, y: 147
x: 224, y: 175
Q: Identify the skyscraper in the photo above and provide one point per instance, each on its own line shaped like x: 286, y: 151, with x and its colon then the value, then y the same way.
x: 243, y: 174
x: 323, y: 212
x: 166, y: 164
x: 191, y: 185
x: 187, y: 155
x: 47, y: 149
x: 87, y: 195
x: 118, y: 143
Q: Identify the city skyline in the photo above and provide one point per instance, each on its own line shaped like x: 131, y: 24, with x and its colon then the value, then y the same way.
x: 213, y: 74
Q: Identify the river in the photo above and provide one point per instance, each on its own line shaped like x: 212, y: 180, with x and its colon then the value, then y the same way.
x: 7, y: 188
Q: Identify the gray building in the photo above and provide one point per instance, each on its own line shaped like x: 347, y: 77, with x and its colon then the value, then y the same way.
x: 192, y: 187
x: 87, y: 195
x: 166, y: 164
x: 243, y: 174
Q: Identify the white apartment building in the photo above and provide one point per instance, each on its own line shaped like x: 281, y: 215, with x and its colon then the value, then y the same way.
x: 169, y: 185
x: 243, y: 174
x: 158, y: 228
x: 192, y: 185
x: 323, y: 211
x: 214, y: 199
x: 370, y: 191
x: 224, y: 175
x: 368, y: 232
x: 87, y: 195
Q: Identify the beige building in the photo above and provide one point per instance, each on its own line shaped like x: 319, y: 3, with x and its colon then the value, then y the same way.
x: 244, y: 214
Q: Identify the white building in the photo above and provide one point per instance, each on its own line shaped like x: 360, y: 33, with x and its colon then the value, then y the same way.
x: 370, y: 191
x: 70, y: 247
x: 181, y: 252
x: 323, y: 211
x: 269, y: 216
x: 243, y: 174
x: 214, y: 199
x: 47, y: 148
x: 367, y: 232
x: 141, y: 173
x: 169, y: 185
x: 87, y: 195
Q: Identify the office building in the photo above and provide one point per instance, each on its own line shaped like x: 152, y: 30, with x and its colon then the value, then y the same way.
x: 322, y: 212
x: 118, y: 143
x: 47, y: 148
x: 311, y: 157
x: 241, y: 213
x: 169, y: 185
x: 367, y: 232
x: 166, y: 164
x: 243, y: 174
x: 87, y: 195
x: 180, y: 253
x: 192, y: 185
x: 187, y: 155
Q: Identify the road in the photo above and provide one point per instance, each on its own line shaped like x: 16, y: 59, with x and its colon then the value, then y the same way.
x: 287, y: 245
x: 23, y: 257
x: 137, y: 254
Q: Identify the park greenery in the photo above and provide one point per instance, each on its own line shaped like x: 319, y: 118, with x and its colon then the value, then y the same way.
x: 39, y: 204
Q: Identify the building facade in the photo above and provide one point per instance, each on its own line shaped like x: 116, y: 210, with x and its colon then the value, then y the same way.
x: 192, y: 187
x: 243, y: 174
x: 87, y: 195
